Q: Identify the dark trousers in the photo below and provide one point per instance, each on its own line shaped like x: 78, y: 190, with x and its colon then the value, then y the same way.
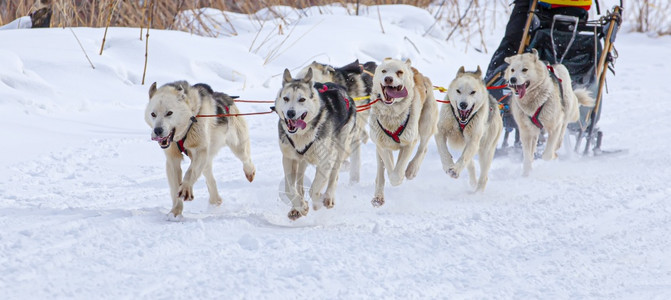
x: 512, y: 38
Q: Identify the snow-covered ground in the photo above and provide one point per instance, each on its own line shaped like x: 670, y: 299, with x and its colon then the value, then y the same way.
x: 83, y: 193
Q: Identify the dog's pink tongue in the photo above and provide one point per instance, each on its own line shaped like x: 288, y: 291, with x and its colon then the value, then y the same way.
x: 521, y: 90
x: 393, y: 93
x: 300, y: 124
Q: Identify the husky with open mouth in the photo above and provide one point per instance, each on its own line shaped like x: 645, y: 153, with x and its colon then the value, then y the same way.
x: 317, y: 124
x: 470, y: 123
x: 542, y: 98
x: 357, y: 78
x: 171, y: 114
x: 405, y: 113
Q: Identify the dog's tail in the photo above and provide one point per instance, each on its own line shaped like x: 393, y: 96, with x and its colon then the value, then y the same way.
x: 584, y: 97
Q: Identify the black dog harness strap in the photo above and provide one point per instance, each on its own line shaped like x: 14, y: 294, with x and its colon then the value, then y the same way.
x: 180, y: 143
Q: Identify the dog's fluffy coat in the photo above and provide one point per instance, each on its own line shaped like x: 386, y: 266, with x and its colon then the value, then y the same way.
x: 470, y: 123
x: 316, y: 126
x: 358, y: 80
x: 539, y: 100
x: 171, y: 115
x: 406, y: 113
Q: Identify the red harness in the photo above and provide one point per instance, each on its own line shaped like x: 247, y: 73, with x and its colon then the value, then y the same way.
x: 396, y: 135
x: 534, y: 119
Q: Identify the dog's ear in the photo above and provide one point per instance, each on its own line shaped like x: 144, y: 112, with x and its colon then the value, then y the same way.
x: 408, y: 62
x: 353, y: 67
x: 308, y: 76
x: 286, y: 77
x: 507, y: 59
x: 478, y: 72
x: 461, y: 71
x: 152, y: 90
x: 535, y: 53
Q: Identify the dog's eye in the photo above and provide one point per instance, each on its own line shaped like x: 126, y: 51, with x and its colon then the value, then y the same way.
x: 399, y: 73
x: 384, y: 71
x: 301, y: 100
x: 153, y: 115
x: 169, y: 113
x: 473, y: 93
x: 525, y: 70
x: 458, y: 92
x: 512, y: 70
x: 286, y: 99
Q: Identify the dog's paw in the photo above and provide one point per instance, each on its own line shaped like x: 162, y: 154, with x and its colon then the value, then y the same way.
x: 377, y: 201
x: 185, y: 192
x: 453, y: 172
x: 549, y: 155
x: 329, y: 202
x: 394, y: 179
x: 354, y: 179
x: 215, y: 200
x: 172, y: 218
x: 411, y: 171
x: 250, y: 174
x: 316, y: 205
x: 294, y: 213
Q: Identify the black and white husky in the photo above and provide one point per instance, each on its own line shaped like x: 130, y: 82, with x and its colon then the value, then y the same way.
x: 358, y: 80
x: 317, y: 125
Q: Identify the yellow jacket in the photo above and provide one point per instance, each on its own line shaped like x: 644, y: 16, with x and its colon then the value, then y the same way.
x: 568, y: 2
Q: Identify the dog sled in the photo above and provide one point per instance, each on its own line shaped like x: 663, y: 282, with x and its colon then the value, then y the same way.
x: 585, y: 47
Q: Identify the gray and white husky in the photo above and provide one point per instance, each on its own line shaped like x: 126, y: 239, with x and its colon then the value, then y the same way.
x: 317, y: 123
x: 171, y: 114
x: 358, y: 80
x: 470, y: 123
x: 543, y: 98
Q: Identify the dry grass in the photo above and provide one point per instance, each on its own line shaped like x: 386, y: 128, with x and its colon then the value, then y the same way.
x: 132, y: 13
x: 652, y: 16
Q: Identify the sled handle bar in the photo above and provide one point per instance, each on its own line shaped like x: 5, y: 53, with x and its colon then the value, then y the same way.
x: 564, y: 19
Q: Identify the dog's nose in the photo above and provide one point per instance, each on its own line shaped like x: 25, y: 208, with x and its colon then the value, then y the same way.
x: 388, y: 80
x: 158, y: 131
x: 513, y: 80
x: 291, y: 114
x: 463, y: 105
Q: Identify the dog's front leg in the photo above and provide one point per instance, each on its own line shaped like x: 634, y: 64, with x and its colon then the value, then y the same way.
x: 300, y: 178
x: 445, y: 156
x: 198, y: 161
x: 329, y: 195
x: 215, y: 199
x: 174, y: 171
x: 299, y: 206
x: 398, y: 174
x: 378, y: 199
x: 355, y: 165
x: 554, y: 141
x: 529, y: 140
x: 470, y: 149
x: 322, y: 175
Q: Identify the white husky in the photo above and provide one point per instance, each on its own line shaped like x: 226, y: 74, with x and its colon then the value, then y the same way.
x: 171, y: 114
x: 471, y: 123
x: 406, y: 113
x: 543, y: 98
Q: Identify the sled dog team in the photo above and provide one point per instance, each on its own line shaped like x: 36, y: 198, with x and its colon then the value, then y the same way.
x: 319, y: 125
